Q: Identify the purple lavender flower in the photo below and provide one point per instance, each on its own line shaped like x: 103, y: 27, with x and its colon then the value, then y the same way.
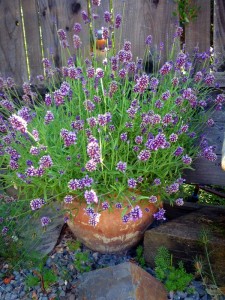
x: 90, y: 72
x: 5, y: 230
x: 77, y: 28
x: 179, y: 31
x: 91, y: 165
x: 118, y: 20
x: 139, y: 139
x: 18, y: 123
x: 65, y: 88
x: 154, y: 82
x: 181, y: 60
x: 93, y: 150
x: 74, y: 184
x: 49, y: 117
x: 90, y: 196
x: 68, y: 199
x: 132, y: 183
x: 96, y: 2
x: 76, y: 41
x: 209, y: 79
x: 62, y: 34
x: 45, y: 161
x: 210, y: 122
x: 105, y: 33
x: 92, y: 121
x: 37, y: 203
x: 136, y: 213
x: 166, y: 68
x: 144, y: 155
x: 25, y: 113
x: 94, y: 219
x: 165, y: 95
x: 123, y: 136
x: 198, y: 76
x: 78, y: 125
x: 179, y: 201
x: 105, y: 205
x: 175, y: 81
x: 173, y: 137
x: 34, y: 150
x: 160, y: 214
x: 153, y: 199
x: 13, y: 165
x: 113, y: 88
x: 173, y: 188
x: 159, y: 104
x: 187, y: 160
x: 107, y: 16
x: 178, y: 151
x: 121, y: 166
x: 209, y: 154
x: 127, y: 46
x: 85, y: 17
x: 126, y: 218
x: 45, y: 221
x: 48, y: 100
x: 118, y: 205
x: 148, y: 40
x: 58, y: 98
x: 142, y: 83
x: 99, y: 73
x: 157, y: 181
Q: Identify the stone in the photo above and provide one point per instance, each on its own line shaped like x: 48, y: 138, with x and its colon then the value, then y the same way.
x: 125, y: 281
x: 182, y: 237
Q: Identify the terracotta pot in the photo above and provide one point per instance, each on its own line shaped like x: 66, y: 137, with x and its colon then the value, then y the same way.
x: 111, y: 234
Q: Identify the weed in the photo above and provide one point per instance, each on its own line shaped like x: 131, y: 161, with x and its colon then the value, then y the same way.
x: 139, y: 256
x: 174, y: 278
x: 74, y: 245
x: 82, y: 262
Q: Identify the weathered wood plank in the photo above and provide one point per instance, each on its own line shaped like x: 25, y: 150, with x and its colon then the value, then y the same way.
x: 142, y: 18
x: 219, y: 32
x: 12, y: 53
x: 206, y: 172
x: 32, y: 34
x: 182, y: 237
x: 56, y: 15
x: 197, y: 32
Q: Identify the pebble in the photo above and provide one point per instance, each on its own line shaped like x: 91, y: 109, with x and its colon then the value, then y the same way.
x: 64, y: 261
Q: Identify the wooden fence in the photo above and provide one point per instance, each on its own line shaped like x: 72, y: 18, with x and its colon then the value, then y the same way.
x: 28, y: 29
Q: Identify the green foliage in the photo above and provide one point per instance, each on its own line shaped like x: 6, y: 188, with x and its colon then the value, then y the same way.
x: 32, y: 281
x: 187, y: 11
x: 45, y: 275
x: 174, y: 278
x: 49, y: 277
x: 140, y: 258
x: 82, y: 262
x: 74, y: 245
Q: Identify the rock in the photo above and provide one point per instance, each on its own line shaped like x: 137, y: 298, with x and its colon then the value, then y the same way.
x: 182, y: 236
x: 124, y: 281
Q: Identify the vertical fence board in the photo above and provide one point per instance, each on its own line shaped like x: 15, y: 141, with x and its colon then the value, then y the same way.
x: 59, y: 14
x: 219, y: 32
x: 146, y: 17
x: 12, y: 53
x: 32, y: 34
x: 197, y: 32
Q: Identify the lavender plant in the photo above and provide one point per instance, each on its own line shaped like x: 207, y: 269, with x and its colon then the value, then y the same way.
x: 106, y: 128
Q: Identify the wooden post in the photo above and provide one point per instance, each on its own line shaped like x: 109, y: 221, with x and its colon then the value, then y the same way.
x: 12, y: 52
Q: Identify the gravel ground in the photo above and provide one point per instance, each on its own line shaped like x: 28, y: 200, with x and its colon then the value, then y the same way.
x: 62, y: 263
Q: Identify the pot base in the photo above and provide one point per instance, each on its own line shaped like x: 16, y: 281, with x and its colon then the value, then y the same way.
x: 111, y: 234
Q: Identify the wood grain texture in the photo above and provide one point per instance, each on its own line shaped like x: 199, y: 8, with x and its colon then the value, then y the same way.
x: 197, y: 32
x: 32, y: 33
x: 219, y: 32
x: 146, y: 17
x: 12, y: 53
x: 60, y: 14
x: 206, y: 172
